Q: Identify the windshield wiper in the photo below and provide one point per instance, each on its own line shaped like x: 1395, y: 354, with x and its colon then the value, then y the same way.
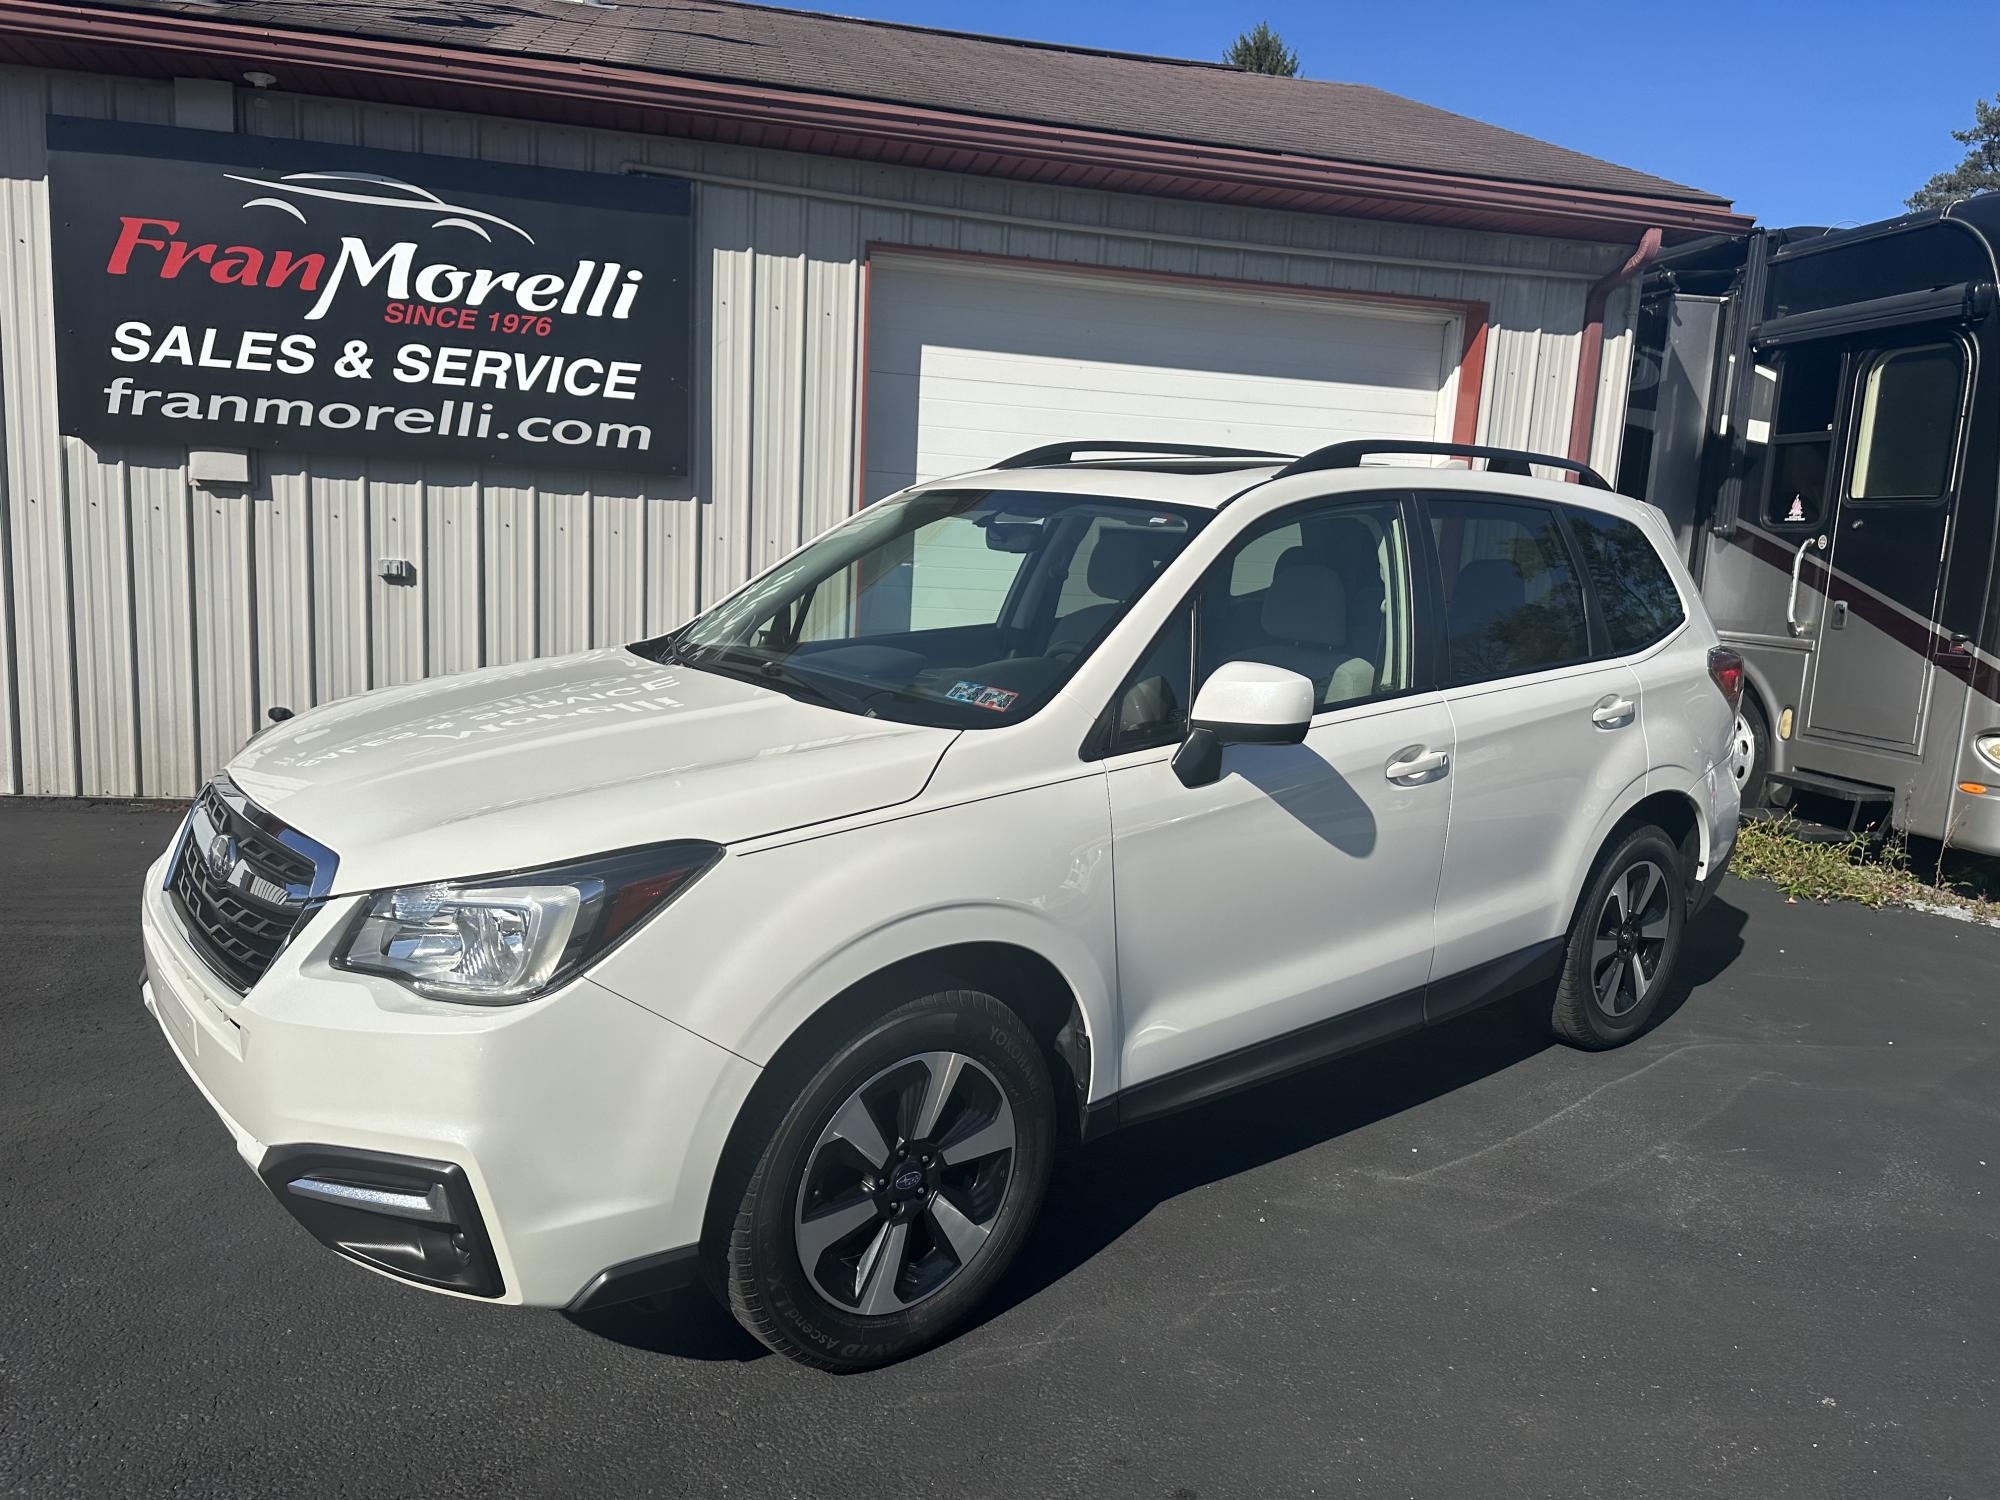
x: 815, y: 687
x: 669, y: 650
x: 771, y: 670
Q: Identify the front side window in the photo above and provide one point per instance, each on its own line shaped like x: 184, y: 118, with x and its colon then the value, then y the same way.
x: 965, y: 609
x: 1512, y: 600
x: 1324, y: 593
x: 1152, y: 708
x: 1636, y: 595
x: 1908, y: 427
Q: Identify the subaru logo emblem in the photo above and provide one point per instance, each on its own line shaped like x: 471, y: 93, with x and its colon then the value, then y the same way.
x: 221, y: 857
x: 908, y: 1180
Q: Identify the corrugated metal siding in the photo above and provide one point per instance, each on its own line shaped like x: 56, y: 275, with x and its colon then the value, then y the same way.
x: 1607, y: 434
x: 145, y: 624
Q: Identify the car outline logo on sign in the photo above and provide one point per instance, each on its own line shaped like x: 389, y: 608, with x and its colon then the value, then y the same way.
x: 455, y: 216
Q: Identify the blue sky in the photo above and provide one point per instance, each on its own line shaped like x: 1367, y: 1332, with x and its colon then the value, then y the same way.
x: 1819, y: 113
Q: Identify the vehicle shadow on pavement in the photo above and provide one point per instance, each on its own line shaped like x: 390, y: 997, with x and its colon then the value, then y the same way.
x: 1100, y: 1192
x: 689, y: 1324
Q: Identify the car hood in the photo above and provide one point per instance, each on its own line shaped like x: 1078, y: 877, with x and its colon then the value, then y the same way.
x: 518, y: 766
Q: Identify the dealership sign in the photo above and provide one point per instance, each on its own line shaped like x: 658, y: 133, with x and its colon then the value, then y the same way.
x: 215, y: 290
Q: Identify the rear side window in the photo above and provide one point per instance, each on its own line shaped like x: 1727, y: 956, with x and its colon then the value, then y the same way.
x: 1635, y: 593
x: 1512, y: 600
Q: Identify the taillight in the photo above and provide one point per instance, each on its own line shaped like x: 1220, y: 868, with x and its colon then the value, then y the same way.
x: 1726, y: 667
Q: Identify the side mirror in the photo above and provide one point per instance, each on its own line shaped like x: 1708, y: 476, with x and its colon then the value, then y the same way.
x: 1242, y: 703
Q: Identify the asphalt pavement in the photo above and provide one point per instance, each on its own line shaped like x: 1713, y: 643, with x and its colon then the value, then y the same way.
x: 1756, y: 1253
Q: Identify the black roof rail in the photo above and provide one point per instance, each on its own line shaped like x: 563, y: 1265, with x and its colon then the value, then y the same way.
x: 1498, y: 460
x: 1064, y: 453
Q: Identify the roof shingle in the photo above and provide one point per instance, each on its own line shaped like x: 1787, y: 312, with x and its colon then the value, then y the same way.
x: 1163, y: 99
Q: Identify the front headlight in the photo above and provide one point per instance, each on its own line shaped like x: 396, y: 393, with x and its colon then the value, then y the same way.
x: 508, y: 938
x: 1988, y: 745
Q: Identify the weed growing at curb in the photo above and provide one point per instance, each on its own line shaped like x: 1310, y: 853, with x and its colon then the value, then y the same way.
x: 1855, y: 869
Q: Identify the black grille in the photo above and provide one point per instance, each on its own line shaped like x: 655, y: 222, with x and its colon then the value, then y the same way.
x: 240, y: 925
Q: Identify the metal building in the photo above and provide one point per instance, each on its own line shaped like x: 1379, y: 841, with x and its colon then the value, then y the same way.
x: 912, y: 253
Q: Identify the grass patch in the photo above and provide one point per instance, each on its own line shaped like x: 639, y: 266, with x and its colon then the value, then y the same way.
x: 1854, y: 869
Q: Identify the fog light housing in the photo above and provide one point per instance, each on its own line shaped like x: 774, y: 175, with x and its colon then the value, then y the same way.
x: 414, y: 1219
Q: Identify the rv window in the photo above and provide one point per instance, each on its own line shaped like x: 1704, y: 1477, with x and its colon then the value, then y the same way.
x: 1798, y: 484
x: 1808, y: 390
x: 1909, y: 424
x: 1801, y: 448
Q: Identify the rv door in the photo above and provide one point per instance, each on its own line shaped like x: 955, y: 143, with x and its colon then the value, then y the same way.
x: 1892, y: 516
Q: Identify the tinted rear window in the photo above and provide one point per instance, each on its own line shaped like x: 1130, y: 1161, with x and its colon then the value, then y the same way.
x: 1513, y: 603
x: 1635, y: 592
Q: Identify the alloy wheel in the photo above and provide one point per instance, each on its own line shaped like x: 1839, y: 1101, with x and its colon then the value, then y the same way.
x: 905, y: 1184
x: 1630, y: 938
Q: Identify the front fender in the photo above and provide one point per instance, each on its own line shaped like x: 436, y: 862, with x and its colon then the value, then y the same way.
x: 770, y: 936
x: 915, y: 934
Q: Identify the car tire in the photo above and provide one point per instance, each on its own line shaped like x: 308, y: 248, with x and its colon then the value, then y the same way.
x: 1750, y: 754
x: 1627, y: 929
x: 896, y: 1188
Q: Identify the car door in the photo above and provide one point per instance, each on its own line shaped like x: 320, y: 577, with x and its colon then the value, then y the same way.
x: 1274, y: 909
x: 1548, y: 739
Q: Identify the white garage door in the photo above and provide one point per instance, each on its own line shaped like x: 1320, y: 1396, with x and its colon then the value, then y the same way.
x: 968, y: 365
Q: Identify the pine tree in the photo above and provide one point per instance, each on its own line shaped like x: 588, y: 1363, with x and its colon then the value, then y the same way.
x: 1979, y: 172
x: 1262, y: 50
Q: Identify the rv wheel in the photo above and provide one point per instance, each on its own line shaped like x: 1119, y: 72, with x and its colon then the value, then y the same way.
x: 1750, y: 754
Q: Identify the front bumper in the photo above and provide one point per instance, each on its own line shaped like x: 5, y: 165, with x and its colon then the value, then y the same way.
x: 568, y: 1138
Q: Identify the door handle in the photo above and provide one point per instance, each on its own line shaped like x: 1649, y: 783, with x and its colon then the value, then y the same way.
x: 1792, y: 599
x: 1416, y: 763
x: 1836, y: 615
x: 1613, y: 712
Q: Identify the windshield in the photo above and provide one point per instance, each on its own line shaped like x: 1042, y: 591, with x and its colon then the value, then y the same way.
x: 964, y: 609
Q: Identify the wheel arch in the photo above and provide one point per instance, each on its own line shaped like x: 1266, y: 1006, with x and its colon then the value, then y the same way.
x: 1026, y: 980
x: 1673, y: 810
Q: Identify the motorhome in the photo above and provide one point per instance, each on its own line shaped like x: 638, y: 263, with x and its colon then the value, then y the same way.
x: 1818, y: 413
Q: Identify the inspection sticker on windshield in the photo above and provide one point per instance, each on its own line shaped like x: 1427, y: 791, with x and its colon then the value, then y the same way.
x: 981, y: 696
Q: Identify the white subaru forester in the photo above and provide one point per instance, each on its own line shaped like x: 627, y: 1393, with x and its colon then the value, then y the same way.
x: 784, y: 950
